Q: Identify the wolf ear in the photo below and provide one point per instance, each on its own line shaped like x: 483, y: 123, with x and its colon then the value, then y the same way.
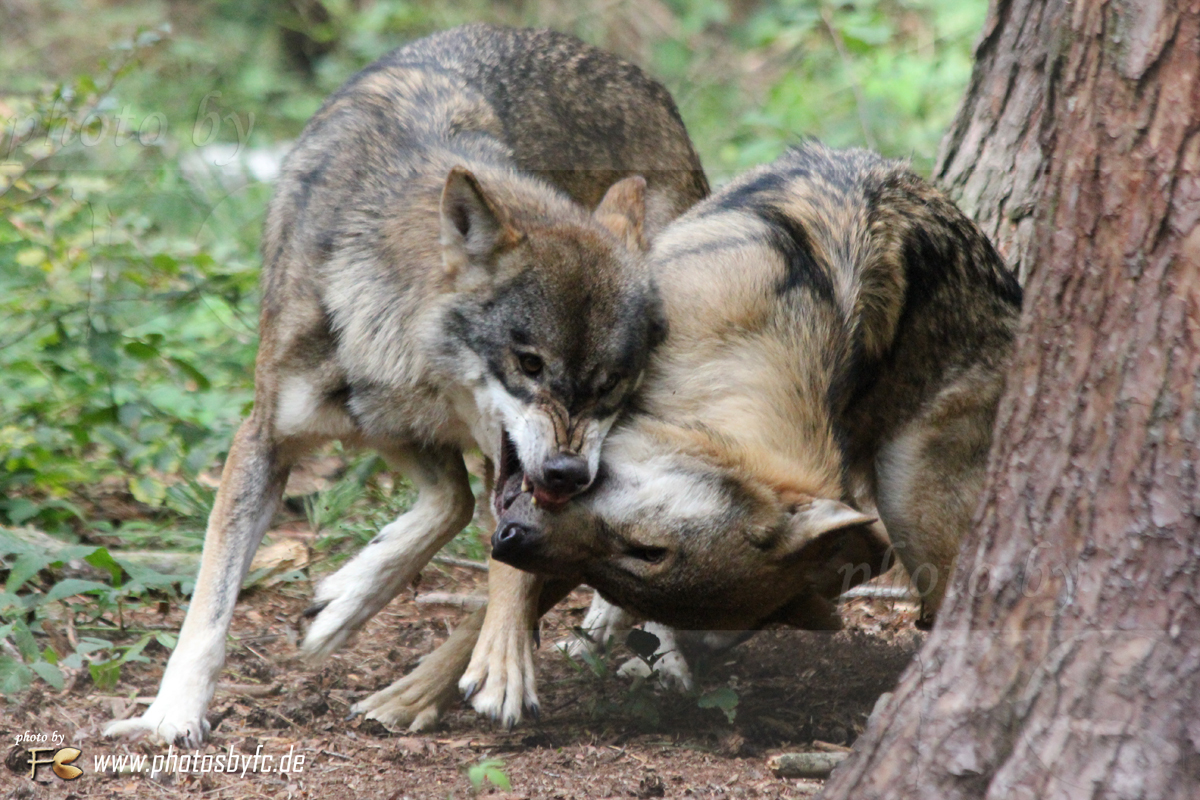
x: 815, y: 522
x: 474, y: 226
x: 623, y: 211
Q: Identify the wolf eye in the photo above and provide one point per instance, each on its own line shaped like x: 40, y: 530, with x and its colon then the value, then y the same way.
x: 610, y: 383
x: 651, y: 555
x: 531, y: 365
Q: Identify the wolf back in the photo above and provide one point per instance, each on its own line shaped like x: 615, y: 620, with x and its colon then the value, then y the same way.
x: 838, y: 336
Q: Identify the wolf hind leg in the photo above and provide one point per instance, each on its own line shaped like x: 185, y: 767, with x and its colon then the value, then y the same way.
x: 929, y: 478
x: 418, y: 699
x: 357, y: 591
x: 251, y: 487
x: 604, y: 622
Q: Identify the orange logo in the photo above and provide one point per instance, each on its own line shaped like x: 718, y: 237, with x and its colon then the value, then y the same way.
x: 60, y: 762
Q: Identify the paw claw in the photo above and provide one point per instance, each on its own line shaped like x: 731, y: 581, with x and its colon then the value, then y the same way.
x: 314, y: 609
x: 469, y: 691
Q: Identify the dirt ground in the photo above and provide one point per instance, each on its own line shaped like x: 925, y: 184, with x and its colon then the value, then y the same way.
x: 598, y: 735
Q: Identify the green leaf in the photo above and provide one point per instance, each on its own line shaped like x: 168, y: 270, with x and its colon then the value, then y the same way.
x: 101, y: 559
x: 141, y: 351
x: 196, y: 375
x: 26, y: 644
x: 15, y: 677
x: 134, y: 652
x: 724, y: 698
x: 90, y: 644
x: 21, y: 509
x: 491, y: 770
x: 25, y: 567
x: 69, y: 587
x: 49, y: 673
x: 147, y: 490
x: 105, y: 674
x: 165, y: 263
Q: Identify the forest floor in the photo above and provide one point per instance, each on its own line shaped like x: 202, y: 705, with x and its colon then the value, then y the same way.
x: 599, y: 735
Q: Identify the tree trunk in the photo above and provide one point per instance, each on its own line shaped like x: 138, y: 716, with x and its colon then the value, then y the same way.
x: 1066, y: 660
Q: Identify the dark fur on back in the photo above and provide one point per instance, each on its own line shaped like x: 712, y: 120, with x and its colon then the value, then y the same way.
x: 541, y: 101
x: 838, y: 333
x: 921, y: 292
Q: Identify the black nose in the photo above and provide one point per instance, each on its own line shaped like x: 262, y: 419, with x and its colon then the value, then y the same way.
x: 565, y: 473
x: 511, y: 540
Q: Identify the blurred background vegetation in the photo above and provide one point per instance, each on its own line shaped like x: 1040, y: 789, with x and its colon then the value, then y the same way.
x: 137, y: 143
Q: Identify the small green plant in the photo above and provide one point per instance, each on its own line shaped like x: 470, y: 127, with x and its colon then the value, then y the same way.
x: 490, y: 770
x: 36, y: 604
x: 723, y: 698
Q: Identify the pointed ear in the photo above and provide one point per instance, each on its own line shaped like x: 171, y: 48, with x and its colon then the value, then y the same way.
x: 474, y: 226
x: 815, y: 522
x: 623, y: 211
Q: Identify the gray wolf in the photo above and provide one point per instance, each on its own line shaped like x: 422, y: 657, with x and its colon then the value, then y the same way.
x: 837, y: 338
x: 453, y: 259
x: 838, y: 333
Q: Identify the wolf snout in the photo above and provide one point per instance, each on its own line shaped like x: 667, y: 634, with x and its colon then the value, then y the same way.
x: 566, y: 474
x: 513, y: 542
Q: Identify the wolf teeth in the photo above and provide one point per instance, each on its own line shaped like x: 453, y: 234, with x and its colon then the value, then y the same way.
x: 526, y: 484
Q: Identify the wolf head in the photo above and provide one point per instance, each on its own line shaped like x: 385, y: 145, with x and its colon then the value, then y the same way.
x: 557, y: 313
x: 682, y: 535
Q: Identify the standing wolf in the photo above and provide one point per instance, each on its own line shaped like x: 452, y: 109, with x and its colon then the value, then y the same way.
x: 434, y: 280
x: 837, y: 337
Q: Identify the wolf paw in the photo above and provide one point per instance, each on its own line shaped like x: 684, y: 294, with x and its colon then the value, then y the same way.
x: 345, y: 601
x: 417, y: 700
x: 177, y: 726
x: 670, y: 667
x: 500, y: 681
x: 604, y: 623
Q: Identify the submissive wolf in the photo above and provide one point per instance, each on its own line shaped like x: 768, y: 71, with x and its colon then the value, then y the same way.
x: 837, y: 338
x: 453, y: 259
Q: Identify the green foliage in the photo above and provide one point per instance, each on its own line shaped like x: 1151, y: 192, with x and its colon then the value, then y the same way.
x: 490, y: 770
x: 126, y: 336
x: 36, y: 599
x: 723, y: 698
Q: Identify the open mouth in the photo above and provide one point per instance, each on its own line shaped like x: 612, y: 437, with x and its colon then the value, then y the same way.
x: 511, y: 482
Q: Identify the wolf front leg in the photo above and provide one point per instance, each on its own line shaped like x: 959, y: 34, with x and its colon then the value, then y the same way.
x: 419, y: 698
x: 500, y: 682
x: 357, y: 591
x: 251, y: 485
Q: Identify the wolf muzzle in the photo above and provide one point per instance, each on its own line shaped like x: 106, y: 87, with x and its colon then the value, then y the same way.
x: 566, y: 474
x: 515, y: 544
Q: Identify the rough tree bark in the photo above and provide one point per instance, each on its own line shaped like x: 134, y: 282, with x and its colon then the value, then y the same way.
x: 1066, y: 661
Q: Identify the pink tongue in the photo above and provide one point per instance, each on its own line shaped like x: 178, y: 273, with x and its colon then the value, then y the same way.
x: 549, y: 500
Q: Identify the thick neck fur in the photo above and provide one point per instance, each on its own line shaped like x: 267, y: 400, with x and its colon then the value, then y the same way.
x: 737, y: 376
